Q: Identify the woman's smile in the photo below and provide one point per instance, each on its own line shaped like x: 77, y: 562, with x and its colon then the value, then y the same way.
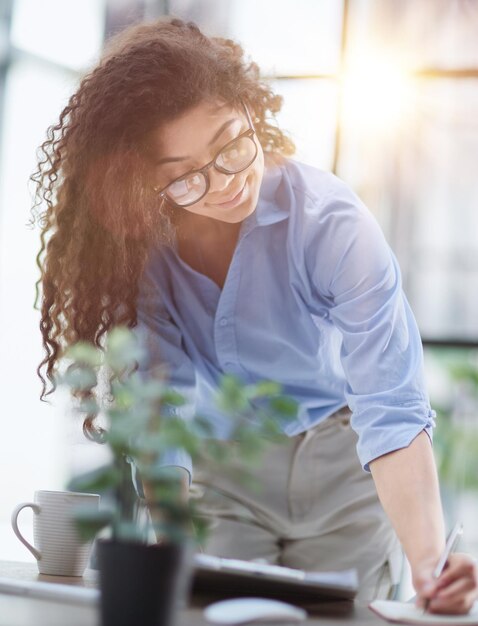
x: 234, y: 201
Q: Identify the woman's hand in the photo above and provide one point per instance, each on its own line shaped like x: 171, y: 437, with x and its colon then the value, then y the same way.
x: 456, y: 589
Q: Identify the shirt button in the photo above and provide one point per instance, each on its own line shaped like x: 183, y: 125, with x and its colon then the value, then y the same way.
x: 223, y: 321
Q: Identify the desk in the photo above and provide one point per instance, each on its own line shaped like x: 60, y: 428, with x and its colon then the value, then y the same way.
x: 18, y: 611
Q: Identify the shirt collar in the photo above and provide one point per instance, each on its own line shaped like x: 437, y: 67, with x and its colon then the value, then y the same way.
x: 269, y: 208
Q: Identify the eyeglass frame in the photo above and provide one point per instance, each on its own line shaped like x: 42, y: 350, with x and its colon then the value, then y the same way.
x: 250, y: 132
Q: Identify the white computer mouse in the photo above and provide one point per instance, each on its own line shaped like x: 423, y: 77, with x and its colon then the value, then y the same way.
x: 244, y: 610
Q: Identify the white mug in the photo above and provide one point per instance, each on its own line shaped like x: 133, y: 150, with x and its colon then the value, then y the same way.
x: 58, y: 549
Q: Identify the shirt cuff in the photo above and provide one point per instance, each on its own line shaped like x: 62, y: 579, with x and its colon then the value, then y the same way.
x: 171, y: 458
x: 397, y: 439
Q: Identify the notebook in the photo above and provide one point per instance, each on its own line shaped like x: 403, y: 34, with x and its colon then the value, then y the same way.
x: 407, y: 613
x: 223, y: 576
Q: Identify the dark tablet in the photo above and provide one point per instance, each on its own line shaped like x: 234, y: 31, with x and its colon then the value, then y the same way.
x: 247, y: 578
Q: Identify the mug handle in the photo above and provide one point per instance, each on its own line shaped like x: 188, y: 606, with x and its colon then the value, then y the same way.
x: 16, y: 511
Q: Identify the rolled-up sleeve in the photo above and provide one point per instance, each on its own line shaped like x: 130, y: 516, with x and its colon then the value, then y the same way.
x: 381, y: 350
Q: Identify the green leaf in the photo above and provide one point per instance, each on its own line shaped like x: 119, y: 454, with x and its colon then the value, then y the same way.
x: 232, y: 397
x: 216, y: 450
x: 202, y: 528
x: 86, y: 353
x: 124, y: 397
x: 248, y: 444
x: 122, y: 349
x: 97, y: 481
x: 176, y: 433
x: 270, y: 429
x: 121, y: 434
x: 264, y: 388
x: 89, y: 521
x: 284, y: 406
x: 126, y: 530
x: 148, y: 390
x: 169, y: 396
x: 202, y: 427
x: 79, y: 377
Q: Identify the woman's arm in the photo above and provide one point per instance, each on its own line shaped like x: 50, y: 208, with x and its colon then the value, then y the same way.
x: 407, y: 486
x: 354, y: 273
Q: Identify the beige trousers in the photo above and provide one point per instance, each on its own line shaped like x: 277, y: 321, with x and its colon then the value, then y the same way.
x: 315, y: 509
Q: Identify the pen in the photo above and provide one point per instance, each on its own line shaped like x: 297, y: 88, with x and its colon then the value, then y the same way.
x: 451, y: 543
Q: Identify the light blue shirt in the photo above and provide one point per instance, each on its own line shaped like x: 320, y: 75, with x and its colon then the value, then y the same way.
x: 313, y: 300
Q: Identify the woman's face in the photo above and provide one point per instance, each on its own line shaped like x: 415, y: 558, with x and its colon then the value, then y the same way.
x: 191, y: 141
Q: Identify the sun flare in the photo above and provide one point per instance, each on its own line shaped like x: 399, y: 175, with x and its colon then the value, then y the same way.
x: 377, y: 93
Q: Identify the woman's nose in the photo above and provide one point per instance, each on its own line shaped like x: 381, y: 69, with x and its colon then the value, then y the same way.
x: 218, y: 181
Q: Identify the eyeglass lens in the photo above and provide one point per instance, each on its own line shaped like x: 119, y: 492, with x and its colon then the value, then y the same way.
x: 235, y: 157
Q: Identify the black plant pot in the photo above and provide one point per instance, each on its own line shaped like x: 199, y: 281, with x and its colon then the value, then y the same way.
x: 140, y: 584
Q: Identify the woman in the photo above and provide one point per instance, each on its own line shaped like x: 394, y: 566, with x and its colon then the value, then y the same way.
x: 172, y: 208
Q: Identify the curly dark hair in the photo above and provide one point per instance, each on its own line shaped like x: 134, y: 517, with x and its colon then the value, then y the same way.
x: 99, y: 216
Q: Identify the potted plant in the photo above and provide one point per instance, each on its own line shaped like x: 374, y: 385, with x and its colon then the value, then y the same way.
x: 139, y: 580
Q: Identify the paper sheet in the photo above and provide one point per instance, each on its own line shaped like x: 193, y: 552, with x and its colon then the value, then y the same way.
x: 407, y: 613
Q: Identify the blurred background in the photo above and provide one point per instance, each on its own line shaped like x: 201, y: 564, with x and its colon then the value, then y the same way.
x: 383, y: 93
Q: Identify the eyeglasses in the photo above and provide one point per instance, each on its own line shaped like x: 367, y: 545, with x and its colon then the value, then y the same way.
x: 236, y: 156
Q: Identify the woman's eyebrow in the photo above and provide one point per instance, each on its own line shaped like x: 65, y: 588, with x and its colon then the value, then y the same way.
x: 221, y: 130
x: 213, y: 140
